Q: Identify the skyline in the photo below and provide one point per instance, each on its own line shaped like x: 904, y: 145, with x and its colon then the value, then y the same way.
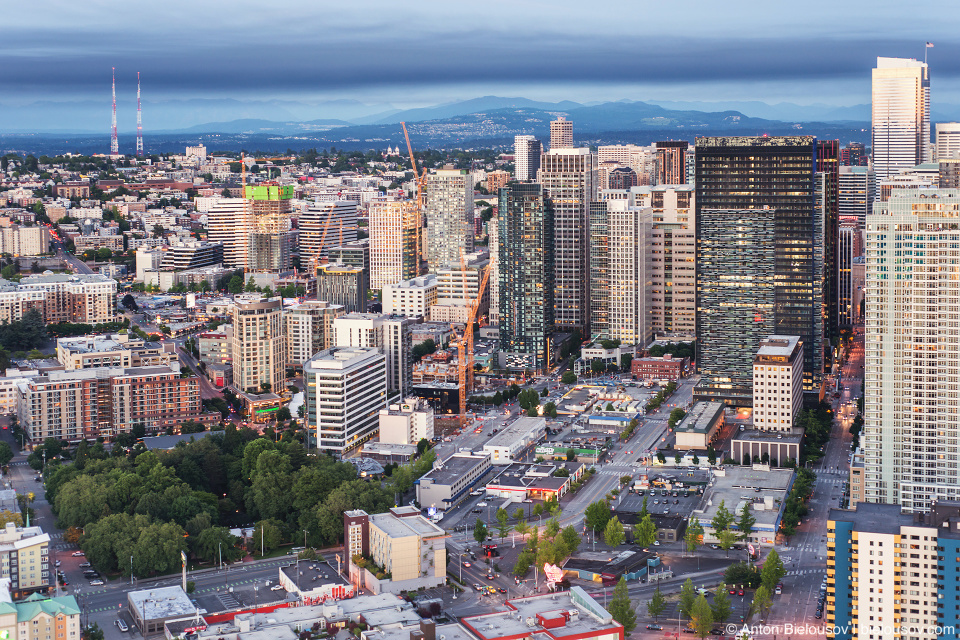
x: 435, y: 53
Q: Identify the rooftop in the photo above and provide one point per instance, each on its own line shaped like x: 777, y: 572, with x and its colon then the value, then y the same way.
x: 405, y: 527
x: 456, y: 466
x: 873, y: 518
x: 519, y: 428
x: 522, y: 617
x: 700, y: 418
x: 161, y: 602
x: 764, y: 488
x: 778, y: 347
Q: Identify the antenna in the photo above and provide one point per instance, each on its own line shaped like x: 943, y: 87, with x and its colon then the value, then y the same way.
x: 139, y: 122
x: 114, y: 147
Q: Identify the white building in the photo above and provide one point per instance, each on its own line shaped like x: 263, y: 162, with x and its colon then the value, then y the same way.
x: 389, y: 334
x: 230, y: 222
x: 449, y: 213
x: 412, y: 298
x: 308, y: 327
x: 514, y: 439
x: 148, y: 259
x: 901, y: 115
x: 948, y: 140
x: 630, y: 272
x: 407, y: 422
x: 359, y: 330
x: 345, y: 389
x: 324, y: 225
x: 394, y: 241
x: 777, y: 383
x: 526, y: 157
x: 258, y: 348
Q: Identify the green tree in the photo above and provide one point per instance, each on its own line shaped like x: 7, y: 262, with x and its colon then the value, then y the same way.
x: 688, y: 595
x: 643, y: 508
x: 645, y: 532
x: 571, y: 540
x: 773, y: 570
x: 721, y: 604
x: 480, y: 531
x: 6, y: 454
x: 701, y: 617
x: 568, y: 377
x: 597, y: 515
x: 235, y: 285
x: 266, y: 537
x: 502, y: 527
x: 621, y: 608
x: 693, y: 538
x: 657, y: 604
x: 726, y: 539
x: 746, y: 521
x: 722, y: 519
x: 251, y: 286
x: 762, y: 601
x: 215, y: 542
x: 613, y: 533
x: 660, y: 457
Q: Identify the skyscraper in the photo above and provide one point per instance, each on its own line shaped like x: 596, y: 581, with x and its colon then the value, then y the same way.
x: 258, y: 348
x: 230, y: 222
x: 568, y: 177
x: 850, y: 247
x: 733, y: 175
x: 901, y: 115
x: 525, y: 246
x: 630, y: 272
x: 912, y: 350
x: 857, y: 190
x: 271, y: 242
x: 599, y: 269
x: 394, y: 232
x: 449, y: 217
x: 324, y: 225
x: 561, y: 134
x: 671, y: 162
x: 526, y: 157
x: 948, y: 140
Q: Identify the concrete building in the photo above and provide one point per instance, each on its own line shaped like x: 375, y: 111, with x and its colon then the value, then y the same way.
x: 763, y: 488
x: 671, y: 162
x: 777, y: 383
x: 25, y: 560
x: 216, y: 346
x: 25, y: 241
x: 776, y: 448
x: 406, y: 422
x: 857, y: 191
x: 181, y: 256
x: 397, y: 344
x: 88, y: 299
x: 354, y: 254
x: 700, y: 426
x: 561, y: 134
x: 412, y: 298
x: 849, y: 248
x: 566, y: 615
x: 148, y: 259
x: 344, y: 285
x: 345, y: 389
x: 450, y: 482
x: 114, y: 350
x: 394, y: 242
x: 401, y: 544
x: 497, y: 180
x: 912, y: 351
x: 665, y: 367
x: 515, y: 439
x: 949, y: 173
x: 151, y: 609
x: 230, y: 222
x: 901, y: 115
x: 856, y: 484
x: 521, y: 481
x: 308, y: 329
x: 324, y: 225
x: 947, y: 141
x: 89, y: 403
x: 630, y: 273
x: 40, y: 618
x: 258, y: 350
x: 449, y: 215
x: 526, y: 157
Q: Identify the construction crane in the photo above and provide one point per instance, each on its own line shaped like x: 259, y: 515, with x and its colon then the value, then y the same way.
x: 465, y: 343
x: 421, y: 182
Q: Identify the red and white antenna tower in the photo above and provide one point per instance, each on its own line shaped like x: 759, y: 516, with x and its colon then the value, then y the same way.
x: 114, y: 146
x: 139, y: 123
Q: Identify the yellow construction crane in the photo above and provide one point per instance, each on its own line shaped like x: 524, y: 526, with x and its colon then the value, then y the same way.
x: 421, y: 182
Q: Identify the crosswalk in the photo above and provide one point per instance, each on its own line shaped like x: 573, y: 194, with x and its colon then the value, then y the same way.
x: 803, y: 572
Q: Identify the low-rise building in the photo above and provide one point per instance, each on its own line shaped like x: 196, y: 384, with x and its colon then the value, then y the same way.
x: 515, y: 439
x: 25, y: 560
x: 596, y: 351
x: 665, y: 367
x: 438, y: 332
x: 39, y: 617
x: 565, y: 615
x: 215, y: 346
x: 776, y: 448
x: 407, y: 422
x: 387, y: 453
x: 114, y: 350
x: 763, y: 488
x: 543, y: 480
x: 452, y: 480
x: 151, y: 609
x: 700, y: 427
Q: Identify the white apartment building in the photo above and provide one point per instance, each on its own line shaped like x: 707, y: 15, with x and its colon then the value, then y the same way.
x: 561, y: 134
x: 526, y: 157
x: 493, y: 284
x: 359, y: 330
x: 308, y: 328
x: 24, y: 241
x: 394, y: 241
x: 948, y: 140
x: 230, y: 222
x: 324, y: 225
x: 390, y: 334
x: 912, y: 350
x: 90, y: 299
x: 148, y: 259
x: 900, y: 115
x: 258, y: 348
x: 407, y: 422
x: 630, y: 272
x: 449, y: 213
x: 412, y: 298
x: 345, y: 389
x: 777, y: 383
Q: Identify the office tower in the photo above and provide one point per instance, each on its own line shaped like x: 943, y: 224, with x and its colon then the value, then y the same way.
x: 777, y: 383
x: 561, y: 134
x: 308, y: 329
x: 412, y: 298
x: 857, y: 190
x: 826, y: 231
x: 854, y: 155
x: 493, y: 282
x: 901, y: 115
x: 526, y: 158
x: 912, y: 350
x: 599, y: 269
x: 192, y: 255
x: 526, y: 272
x: 230, y: 222
x: 344, y: 285
x: 621, y: 178
x: 355, y: 254
x: 394, y: 241
x: 642, y: 160
x: 671, y: 162
x: 850, y: 247
x: 948, y: 140
x: 568, y: 177
x: 449, y: 213
x: 345, y: 389
x: 458, y: 287
x: 258, y: 347
x: 271, y: 242
x: 324, y: 225
x: 630, y: 272
x: 732, y: 176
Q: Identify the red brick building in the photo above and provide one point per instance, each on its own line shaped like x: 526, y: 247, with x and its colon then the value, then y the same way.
x: 664, y: 368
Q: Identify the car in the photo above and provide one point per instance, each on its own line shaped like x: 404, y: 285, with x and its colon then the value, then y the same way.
x: 122, y: 625
x: 666, y: 511
x: 656, y: 543
x: 467, y: 564
x: 78, y: 554
x: 740, y: 592
x: 688, y: 630
x: 503, y: 590
x: 654, y: 627
x: 716, y: 632
x: 716, y: 546
x: 676, y: 502
x: 96, y: 582
x: 85, y: 565
x: 527, y: 500
x: 819, y: 614
x: 475, y: 511
x: 490, y: 576
x: 276, y: 587
x: 733, y: 591
x: 477, y: 586
x: 481, y: 504
x: 656, y: 502
x: 779, y: 589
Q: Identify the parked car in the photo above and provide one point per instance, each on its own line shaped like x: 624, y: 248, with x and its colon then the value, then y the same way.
x: 96, y: 583
x: 84, y: 565
x: 122, y: 625
x: 654, y: 627
x: 276, y: 587
x: 78, y: 554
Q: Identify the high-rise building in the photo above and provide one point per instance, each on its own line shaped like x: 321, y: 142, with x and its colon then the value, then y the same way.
x: 826, y: 231
x: 950, y: 173
x: 258, y: 348
x: 912, y: 350
x: 389, y: 333
x: 230, y: 222
x: 568, y: 177
x: 355, y: 254
x: 345, y: 389
x: 192, y: 255
x: 344, y: 285
x: 459, y: 286
x: 671, y: 162
x: 87, y: 299
x: 857, y: 191
x: 561, y: 134
x: 449, y: 213
x: 526, y: 157
x: 854, y: 155
x: 777, y: 383
x: 271, y: 242
x: 526, y: 271
x: 412, y: 298
x: 324, y: 225
x: 496, y: 180
x: 900, y: 115
x: 948, y: 140
x: 732, y: 176
x: 493, y: 282
x: 308, y: 329
x: 630, y: 272
x: 621, y: 178
x: 599, y: 269
x: 850, y: 247
x: 394, y: 241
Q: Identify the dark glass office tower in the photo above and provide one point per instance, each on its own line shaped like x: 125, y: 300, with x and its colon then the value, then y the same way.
x: 828, y: 174
x: 525, y: 228
x: 763, y: 174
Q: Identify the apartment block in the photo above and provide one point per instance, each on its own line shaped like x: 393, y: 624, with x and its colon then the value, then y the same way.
x: 216, y: 346
x: 24, y: 241
x: 407, y: 422
x: 308, y: 328
x: 25, y: 560
x: 777, y: 383
x: 258, y: 348
x: 115, y: 350
x: 449, y: 215
x: 412, y: 298
x: 857, y: 191
x: 40, y: 617
x: 395, y: 230
x: 181, y: 256
x: 88, y: 299
x: 526, y: 157
x: 630, y: 272
x: 324, y: 225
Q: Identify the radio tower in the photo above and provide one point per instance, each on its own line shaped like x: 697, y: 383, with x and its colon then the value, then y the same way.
x: 114, y: 147
x: 139, y: 123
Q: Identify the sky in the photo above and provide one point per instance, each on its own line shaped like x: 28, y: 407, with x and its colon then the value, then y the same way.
x: 425, y: 52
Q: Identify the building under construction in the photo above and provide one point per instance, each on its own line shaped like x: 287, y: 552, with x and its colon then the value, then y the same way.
x: 271, y: 243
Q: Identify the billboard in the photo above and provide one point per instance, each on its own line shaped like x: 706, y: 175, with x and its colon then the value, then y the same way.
x: 552, y: 572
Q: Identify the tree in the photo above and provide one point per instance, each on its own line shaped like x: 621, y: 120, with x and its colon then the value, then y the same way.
x: 570, y: 539
x: 158, y: 231
x: 480, y: 531
x: 266, y: 537
x: 688, y: 595
x: 722, y: 519
x: 569, y: 377
x: 6, y: 454
x: 550, y: 410
x: 746, y: 522
x: 643, y: 508
x: 613, y: 532
x: 694, y: 535
x: 235, y: 285
x: 657, y: 604
x: 621, y: 608
x: 596, y: 515
x: 726, y: 539
x: 701, y: 617
x: 773, y: 570
x: 721, y: 604
x: 761, y: 600
x: 660, y: 457
x: 502, y: 527
x: 214, y: 542
x: 130, y: 303
x: 645, y: 532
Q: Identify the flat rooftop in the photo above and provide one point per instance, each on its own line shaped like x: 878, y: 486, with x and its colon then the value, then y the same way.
x: 404, y: 527
x: 516, y: 430
x: 701, y: 417
x: 735, y: 486
x: 873, y: 518
x: 590, y: 617
x: 756, y: 435
x: 780, y: 346
x: 455, y: 467
x: 161, y: 602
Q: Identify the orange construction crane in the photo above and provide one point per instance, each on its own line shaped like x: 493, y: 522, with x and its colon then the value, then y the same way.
x: 465, y: 344
x: 421, y: 182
